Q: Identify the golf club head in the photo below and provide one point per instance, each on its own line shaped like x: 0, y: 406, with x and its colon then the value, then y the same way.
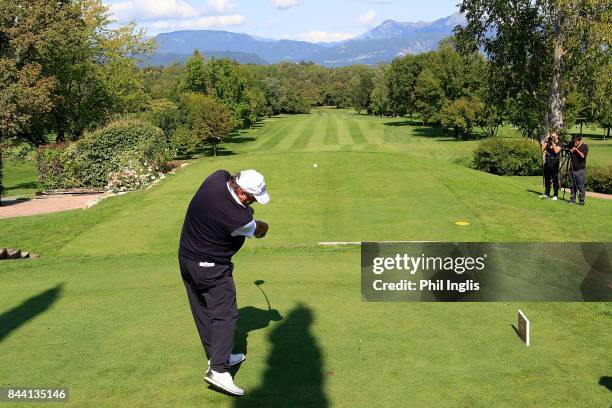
x: 259, y: 282
x: 274, y: 315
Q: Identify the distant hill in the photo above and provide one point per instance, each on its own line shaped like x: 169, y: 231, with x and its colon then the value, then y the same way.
x: 383, y: 43
x: 163, y: 59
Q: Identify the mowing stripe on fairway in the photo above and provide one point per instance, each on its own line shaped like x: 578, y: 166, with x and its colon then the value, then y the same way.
x: 331, y: 130
x: 371, y: 133
x: 388, y: 134
x: 317, y: 135
x: 344, y: 133
x: 308, y: 126
x: 300, y: 124
x: 356, y: 132
x: 264, y: 135
x: 278, y: 135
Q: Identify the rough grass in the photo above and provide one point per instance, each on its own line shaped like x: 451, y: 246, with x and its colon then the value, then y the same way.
x: 20, y: 178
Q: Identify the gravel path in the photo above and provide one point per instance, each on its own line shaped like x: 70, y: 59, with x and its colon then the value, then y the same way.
x: 15, y: 207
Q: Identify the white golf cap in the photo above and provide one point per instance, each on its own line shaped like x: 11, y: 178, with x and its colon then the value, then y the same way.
x: 253, y: 183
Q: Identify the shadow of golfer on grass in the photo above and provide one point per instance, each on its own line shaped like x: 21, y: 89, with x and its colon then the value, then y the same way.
x: 252, y: 318
x: 606, y: 381
x: 294, y: 376
x: 19, y: 315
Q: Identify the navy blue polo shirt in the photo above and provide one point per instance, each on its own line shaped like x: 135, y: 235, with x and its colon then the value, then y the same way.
x: 213, y: 214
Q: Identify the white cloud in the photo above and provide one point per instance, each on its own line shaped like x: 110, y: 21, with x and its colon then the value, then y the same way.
x: 367, y: 18
x: 284, y: 4
x: 221, y: 6
x: 322, y: 36
x: 198, y: 23
x: 144, y: 10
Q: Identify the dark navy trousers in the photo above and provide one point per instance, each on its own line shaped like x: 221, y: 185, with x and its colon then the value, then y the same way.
x: 212, y: 297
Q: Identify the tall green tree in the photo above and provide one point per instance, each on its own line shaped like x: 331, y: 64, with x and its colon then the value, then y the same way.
x: 24, y: 99
x: 380, y: 100
x: 429, y: 96
x: 25, y: 91
x: 403, y: 74
x: 210, y: 120
x: 272, y: 91
x: 93, y: 67
x: 193, y: 78
x: 461, y: 115
x: 541, y: 48
x: 360, y: 88
x: 224, y: 82
x: 603, y: 101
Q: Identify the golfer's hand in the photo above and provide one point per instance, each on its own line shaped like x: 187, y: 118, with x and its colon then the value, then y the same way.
x: 261, y: 229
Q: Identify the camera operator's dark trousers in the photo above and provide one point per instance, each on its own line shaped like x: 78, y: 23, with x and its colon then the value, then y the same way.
x: 577, y: 184
x: 551, y: 176
x: 212, y: 297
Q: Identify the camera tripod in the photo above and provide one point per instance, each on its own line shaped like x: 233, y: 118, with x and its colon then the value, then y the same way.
x: 566, y: 171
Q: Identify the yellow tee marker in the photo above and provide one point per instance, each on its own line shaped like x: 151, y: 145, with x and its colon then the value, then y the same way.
x: 462, y: 223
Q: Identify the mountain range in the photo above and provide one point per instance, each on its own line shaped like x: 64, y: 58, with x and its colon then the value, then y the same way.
x: 383, y: 43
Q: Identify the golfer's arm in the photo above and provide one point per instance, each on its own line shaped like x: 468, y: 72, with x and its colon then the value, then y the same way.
x: 248, y: 230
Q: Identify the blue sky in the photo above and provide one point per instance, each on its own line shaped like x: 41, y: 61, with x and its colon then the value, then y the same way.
x: 308, y: 20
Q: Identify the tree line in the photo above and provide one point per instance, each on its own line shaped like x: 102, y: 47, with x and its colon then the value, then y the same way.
x: 64, y: 71
x: 536, y: 64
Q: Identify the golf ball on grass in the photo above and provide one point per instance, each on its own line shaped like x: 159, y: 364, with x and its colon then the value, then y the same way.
x: 315, y: 165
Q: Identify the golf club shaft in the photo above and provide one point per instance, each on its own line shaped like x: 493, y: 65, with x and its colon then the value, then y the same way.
x: 264, y: 293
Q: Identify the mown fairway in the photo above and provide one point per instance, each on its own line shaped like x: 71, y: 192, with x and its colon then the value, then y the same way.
x: 104, y: 312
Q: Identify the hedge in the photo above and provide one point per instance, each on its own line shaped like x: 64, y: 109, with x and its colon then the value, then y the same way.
x: 90, y: 161
x: 508, y: 157
x: 599, y: 180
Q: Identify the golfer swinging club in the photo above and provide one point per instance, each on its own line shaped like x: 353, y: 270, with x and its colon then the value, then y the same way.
x: 217, y: 221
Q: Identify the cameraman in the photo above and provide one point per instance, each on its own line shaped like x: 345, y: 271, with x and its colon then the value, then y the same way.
x: 579, y: 154
x: 552, y: 150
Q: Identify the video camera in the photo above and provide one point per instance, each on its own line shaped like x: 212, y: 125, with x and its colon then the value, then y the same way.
x: 567, y: 146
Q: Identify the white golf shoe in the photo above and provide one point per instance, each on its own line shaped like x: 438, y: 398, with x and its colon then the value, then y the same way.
x: 234, y: 359
x: 544, y: 196
x: 555, y: 198
x: 223, y: 381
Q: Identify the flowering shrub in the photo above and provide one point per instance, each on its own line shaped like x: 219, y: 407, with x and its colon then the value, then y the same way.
x: 132, y: 174
x: 125, y: 150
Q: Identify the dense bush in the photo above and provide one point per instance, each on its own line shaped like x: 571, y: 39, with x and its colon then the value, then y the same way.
x: 50, y: 167
x: 461, y: 115
x: 508, y: 157
x: 90, y: 161
x: 599, y: 180
x: 291, y: 102
x: 184, y: 142
x: 164, y: 114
